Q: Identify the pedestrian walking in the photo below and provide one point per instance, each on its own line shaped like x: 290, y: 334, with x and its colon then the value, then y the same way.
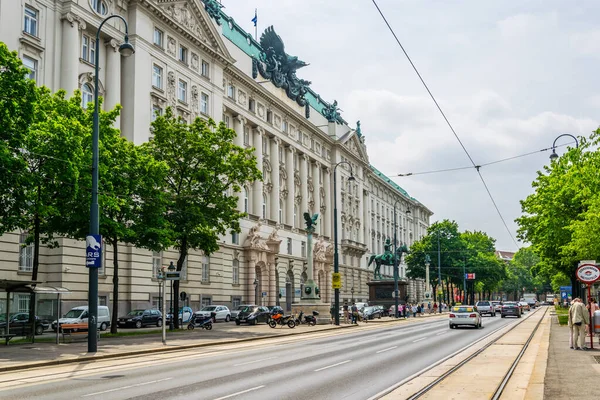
x: 570, y: 325
x: 580, y: 318
x: 435, y: 307
x: 429, y: 308
x: 346, y: 312
x: 354, y: 314
x: 414, y: 311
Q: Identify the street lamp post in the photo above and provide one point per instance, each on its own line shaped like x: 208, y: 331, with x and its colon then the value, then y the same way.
x: 352, y: 294
x: 336, y: 263
x: 554, y: 156
x: 439, y: 265
x: 126, y: 49
x: 396, y: 294
x: 427, y: 281
x: 173, y: 316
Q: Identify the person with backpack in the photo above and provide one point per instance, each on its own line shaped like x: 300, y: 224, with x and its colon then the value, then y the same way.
x: 354, y: 314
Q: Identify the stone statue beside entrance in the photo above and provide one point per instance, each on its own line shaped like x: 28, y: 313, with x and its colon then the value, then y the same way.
x: 387, y: 258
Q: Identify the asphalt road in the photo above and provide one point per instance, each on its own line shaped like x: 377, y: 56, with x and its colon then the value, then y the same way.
x: 348, y: 364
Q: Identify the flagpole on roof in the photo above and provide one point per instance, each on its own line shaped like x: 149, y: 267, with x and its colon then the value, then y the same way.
x: 255, y: 24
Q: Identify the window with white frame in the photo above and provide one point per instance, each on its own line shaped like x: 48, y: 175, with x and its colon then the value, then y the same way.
x: 236, y: 302
x: 23, y: 302
x: 100, y: 7
x: 30, y: 21
x: 284, y: 126
x: 235, y: 272
x: 102, y: 300
x: 157, y: 111
x: 156, y: 303
x: 235, y: 238
x: 25, y: 253
x: 159, y: 37
x: 182, y: 91
x: 87, y: 95
x: 303, y: 249
x: 264, y: 206
x: 252, y: 105
x: 204, y: 103
x: 205, y: 301
x: 205, y: 71
x: 231, y: 91
x: 183, y: 54
x: 289, y: 246
x: 88, y: 49
x: 270, y: 116
x: 246, y: 200
x: 31, y: 65
x: 156, y: 262
x: 205, y: 269
x: 157, y: 76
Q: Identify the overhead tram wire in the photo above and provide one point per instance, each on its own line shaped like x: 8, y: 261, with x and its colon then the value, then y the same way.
x: 477, y: 167
x: 436, y: 171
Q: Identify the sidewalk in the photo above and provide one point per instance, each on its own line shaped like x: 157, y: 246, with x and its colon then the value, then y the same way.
x: 22, y: 356
x: 571, y: 374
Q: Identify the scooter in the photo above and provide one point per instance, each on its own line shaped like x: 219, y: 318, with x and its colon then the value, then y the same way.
x: 280, y: 319
x: 310, y: 320
x: 200, y: 322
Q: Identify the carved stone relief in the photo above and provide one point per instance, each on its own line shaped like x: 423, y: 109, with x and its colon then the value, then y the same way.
x: 260, y: 110
x: 195, y: 100
x: 277, y: 120
x: 242, y: 97
x: 184, y: 16
x: 171, y: 46
x: 195, y: 62
x: 171, y: 88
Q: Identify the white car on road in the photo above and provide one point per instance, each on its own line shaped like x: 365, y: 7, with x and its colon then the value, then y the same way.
x: 218, y: 312
x: 464, y: 315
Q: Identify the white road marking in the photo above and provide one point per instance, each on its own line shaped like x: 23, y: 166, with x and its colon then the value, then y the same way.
x: 389, y: 348
x: 252, y: 362
x: 126, y: 387
x: 441, y: 333
x: 418, y: 340
x: 331, y: 366
x: 242, y: 392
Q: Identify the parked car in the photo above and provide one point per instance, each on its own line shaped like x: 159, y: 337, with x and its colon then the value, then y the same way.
x: 185, y: 315
x: 79, y: 315
x: 140, y: 319
x: 485, y: 307
x: 511, y: 308
x: 253, y: 315
x: 464, y: 315
x: 217, y: 312
x: 372, y: 312
x: 19, y: 324
x: 497, y: 306
x: 236, y: 311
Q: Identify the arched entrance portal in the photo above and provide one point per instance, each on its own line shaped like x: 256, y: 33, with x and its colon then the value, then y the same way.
x: 258, y: 284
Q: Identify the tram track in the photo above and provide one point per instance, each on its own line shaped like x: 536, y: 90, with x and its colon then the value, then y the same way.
x: 509, y: 373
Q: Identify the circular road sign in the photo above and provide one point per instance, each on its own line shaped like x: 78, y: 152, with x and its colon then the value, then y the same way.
x: 588, y: 273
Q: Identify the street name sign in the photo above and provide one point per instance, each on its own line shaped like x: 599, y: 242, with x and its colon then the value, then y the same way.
x: 93, y: 251
x: 172, y: 275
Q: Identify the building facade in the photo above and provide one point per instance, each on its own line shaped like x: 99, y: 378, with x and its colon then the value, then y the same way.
x: 194, y: 58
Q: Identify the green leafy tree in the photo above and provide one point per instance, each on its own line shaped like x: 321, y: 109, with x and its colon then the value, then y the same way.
x: 132, y: 205
x: 18, y: 97
x: 481, y: 260
x: 205, y: 168
x: 556, y: 216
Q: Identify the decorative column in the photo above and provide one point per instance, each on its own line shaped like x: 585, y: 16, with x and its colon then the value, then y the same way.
x: 69, y: 67
x: 275, y: 189
x: 361, y: 213
x: 289, y: 201
x: 112, y: 78
x: 304, y: 182
x: 327, y: 215
x: 310, y: 285
x: 316, y: 193
x: 238, y: 127
x: 257, y: 190
x: 272, y: 284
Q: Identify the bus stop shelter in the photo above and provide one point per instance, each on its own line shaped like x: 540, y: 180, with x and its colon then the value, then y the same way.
x: 14, y: 286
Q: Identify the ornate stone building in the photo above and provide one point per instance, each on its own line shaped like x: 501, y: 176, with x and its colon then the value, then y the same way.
x: 193, y: 57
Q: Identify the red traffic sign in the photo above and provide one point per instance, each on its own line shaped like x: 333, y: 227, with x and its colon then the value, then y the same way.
x: 588, y: 273
x: 470, y: 276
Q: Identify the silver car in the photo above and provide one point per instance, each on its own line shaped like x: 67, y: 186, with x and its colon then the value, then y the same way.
x: 218, y: 312
x: 464, y: 315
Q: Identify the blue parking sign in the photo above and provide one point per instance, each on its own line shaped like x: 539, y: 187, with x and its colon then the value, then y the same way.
x: 93, y: 251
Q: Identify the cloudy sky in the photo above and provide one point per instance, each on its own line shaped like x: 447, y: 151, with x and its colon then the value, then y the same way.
x: 510, y: 76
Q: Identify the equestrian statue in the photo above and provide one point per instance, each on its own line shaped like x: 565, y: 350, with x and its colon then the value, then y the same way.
x: 387, y: 258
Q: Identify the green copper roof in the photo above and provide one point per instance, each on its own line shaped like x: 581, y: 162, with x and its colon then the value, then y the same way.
x: 391, y: 182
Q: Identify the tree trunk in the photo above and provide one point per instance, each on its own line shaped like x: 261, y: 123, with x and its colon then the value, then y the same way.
x: 182, y: 256
x: 36, y: 264
x: 115, y: 310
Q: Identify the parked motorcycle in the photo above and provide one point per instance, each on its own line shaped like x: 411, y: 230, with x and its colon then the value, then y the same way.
x: 310, y: 320
x: 280, y: 319
x: 200, y: 322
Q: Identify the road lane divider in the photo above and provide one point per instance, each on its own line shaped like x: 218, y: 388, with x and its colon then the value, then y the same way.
x: 238, y: 393
x: 333, y: 365
x: 126, y: 387
x: 418, y: 340
x: 252, y: 362
x: 389, y: 348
